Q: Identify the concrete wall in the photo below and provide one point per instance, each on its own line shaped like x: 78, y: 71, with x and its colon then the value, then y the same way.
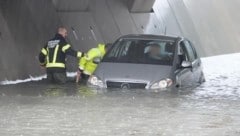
x: 217, y: 24
x: 25, y: 26
x: 7, y: 49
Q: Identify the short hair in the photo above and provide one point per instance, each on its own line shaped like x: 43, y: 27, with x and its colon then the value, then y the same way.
x: 61, y: 28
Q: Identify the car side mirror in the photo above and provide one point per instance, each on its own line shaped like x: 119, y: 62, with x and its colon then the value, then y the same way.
x: 186, y: 64
x: 96, y: 60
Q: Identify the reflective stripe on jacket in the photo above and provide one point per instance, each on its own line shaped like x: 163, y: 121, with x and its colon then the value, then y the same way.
x: 53, y: 55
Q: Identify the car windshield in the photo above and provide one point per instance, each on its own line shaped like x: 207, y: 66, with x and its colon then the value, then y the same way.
x: 139, y: 51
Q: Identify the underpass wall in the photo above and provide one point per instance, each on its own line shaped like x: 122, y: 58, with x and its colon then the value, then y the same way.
x: 217, y: 25
x: 7, y: 49
x: 26, y: 25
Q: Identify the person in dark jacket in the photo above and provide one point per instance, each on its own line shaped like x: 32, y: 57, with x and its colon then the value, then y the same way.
x: 53, y: 56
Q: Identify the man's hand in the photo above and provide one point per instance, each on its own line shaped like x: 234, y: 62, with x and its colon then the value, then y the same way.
x: 78, y: 76
x: 43, y: 67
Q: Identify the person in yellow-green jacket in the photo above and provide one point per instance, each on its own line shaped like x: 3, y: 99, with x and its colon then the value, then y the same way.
x: 87, y: 64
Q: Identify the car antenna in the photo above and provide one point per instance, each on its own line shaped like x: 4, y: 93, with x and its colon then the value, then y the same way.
x: 165, y: 31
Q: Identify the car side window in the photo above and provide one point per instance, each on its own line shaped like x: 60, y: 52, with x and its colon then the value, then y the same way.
x: 190, y: 51
x: 194, y: 50
x: 183, y: 53
x: 120, y: 50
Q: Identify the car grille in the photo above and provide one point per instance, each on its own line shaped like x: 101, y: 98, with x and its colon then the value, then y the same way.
x: 126, y: 85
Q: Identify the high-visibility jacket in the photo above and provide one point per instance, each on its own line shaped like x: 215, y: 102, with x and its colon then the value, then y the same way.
x: 87, y: 64
x: 53, y: 54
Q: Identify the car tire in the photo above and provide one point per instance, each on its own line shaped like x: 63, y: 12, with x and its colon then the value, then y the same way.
x: 202, y: 79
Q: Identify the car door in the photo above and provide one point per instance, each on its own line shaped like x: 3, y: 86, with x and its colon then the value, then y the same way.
x: 196, y: 62
x: 184, y: 76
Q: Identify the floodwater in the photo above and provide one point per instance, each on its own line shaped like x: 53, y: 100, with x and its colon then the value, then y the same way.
x: 213, y: 109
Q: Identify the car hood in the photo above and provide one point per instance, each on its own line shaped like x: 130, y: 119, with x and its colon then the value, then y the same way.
x: 137, y: 73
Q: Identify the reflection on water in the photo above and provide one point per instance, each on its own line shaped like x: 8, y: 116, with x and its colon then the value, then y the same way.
x: 42, y: 109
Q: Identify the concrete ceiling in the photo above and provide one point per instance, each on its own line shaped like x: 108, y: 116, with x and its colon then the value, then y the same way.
x: 140, y: 6
x: 71, y: 5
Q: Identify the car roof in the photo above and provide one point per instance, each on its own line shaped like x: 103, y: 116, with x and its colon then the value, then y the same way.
x: 149, y: 36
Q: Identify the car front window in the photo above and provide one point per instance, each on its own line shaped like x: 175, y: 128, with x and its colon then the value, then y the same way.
x: 140, y: 51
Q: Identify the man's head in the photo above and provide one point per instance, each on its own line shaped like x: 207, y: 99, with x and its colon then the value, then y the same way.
x: 62, y: 31
x: 154, y: 50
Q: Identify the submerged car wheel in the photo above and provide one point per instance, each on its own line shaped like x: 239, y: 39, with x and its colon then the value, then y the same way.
x: 202, y: 79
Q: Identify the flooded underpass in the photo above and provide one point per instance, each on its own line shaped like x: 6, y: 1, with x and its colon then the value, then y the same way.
x: 36, y: 109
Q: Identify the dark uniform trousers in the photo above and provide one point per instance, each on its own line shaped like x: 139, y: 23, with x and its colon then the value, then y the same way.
x: 54, y: 77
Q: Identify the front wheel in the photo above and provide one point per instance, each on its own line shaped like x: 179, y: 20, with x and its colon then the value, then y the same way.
x: 202, y: 79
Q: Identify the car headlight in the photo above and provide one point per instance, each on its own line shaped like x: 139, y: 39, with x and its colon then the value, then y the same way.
x: 95, y: 81
x: 165, y: 83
